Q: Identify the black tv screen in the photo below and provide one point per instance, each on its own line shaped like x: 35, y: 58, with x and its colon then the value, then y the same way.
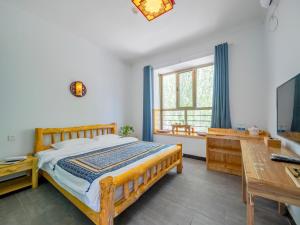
x: 288, y: 109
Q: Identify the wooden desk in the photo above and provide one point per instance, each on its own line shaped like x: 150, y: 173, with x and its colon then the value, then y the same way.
x: 265, y: 178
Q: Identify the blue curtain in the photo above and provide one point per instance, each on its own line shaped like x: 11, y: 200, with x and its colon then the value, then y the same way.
x: 221, y: 111
x: 296, y: 111
x: 148, y: 104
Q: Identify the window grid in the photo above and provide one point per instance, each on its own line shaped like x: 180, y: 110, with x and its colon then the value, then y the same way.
x: 197, y: 117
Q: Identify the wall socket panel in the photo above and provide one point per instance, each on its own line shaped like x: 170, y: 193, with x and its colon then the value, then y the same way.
x: 11, y: 138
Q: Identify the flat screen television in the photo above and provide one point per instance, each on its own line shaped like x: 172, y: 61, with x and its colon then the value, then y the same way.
x: 288, y: 109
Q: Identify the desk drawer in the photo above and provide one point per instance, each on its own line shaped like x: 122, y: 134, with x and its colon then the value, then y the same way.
x: 19, y: 167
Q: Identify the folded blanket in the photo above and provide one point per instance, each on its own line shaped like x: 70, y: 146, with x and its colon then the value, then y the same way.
x: 89, y: 166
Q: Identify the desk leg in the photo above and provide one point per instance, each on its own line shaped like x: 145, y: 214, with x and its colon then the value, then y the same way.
x: 244, y: 188
x: 250, y: 209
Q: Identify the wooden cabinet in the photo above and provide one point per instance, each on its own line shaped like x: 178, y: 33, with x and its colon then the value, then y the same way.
x: 223, y: 149
x: 29, y: 166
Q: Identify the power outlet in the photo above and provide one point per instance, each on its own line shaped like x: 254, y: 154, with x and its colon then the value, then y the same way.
x: 11, y: 138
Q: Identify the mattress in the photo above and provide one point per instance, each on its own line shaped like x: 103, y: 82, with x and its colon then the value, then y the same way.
x: 87, y: 193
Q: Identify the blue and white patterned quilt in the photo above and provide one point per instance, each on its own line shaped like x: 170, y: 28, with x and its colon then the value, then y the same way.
x: 90, y: 166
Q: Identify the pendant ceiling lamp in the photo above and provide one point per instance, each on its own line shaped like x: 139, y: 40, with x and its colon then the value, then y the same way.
x: 152, y: 9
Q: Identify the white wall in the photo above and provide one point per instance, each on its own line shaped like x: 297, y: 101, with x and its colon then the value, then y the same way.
x: 247, y: 75
x: 38, y: 61
x: 283, y: 49
x: 190, y: 146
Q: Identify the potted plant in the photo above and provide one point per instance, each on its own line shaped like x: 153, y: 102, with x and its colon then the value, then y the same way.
x: 126, y: 130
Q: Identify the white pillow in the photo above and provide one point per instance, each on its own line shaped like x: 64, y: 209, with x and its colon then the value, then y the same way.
x: 107, y: 137
x: 72, y: 142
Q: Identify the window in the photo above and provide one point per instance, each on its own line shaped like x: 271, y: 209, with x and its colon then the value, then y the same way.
x: 186, y: 98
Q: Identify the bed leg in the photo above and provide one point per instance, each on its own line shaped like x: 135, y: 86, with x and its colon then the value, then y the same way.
x: 179, y: 166
x: 107, y: 201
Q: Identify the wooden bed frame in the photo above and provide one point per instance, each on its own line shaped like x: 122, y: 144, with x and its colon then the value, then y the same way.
x: 157, y: 167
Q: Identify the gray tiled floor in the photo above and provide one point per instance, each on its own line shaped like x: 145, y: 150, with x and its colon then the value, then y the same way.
x: 197, y: 197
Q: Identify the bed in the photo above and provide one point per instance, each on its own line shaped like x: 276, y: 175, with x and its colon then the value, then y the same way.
x: 102, y: 192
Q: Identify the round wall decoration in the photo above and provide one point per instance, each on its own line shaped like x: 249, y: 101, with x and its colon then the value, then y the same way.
x: 78, y: 89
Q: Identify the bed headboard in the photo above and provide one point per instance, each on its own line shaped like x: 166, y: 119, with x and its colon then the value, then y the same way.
x: 54, y: 135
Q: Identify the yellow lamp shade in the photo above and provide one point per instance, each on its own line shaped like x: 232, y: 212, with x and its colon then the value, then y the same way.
x: 152, y: 9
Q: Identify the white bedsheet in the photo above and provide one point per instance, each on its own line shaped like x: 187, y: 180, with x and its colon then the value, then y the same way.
x: 80, y: 188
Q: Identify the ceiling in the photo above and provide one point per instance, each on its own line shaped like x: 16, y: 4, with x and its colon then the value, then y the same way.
x: 113, y: 24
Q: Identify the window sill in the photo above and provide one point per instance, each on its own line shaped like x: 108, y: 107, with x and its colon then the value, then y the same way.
x: 181, y: 134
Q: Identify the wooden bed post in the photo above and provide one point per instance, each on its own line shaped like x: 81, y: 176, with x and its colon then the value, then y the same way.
x: 115, y: 130
x: 107, y: 201
x: 179, y: 166
x: 38, y: 140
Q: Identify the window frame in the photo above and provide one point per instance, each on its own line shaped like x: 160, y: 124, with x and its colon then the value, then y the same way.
x: 194, y: 91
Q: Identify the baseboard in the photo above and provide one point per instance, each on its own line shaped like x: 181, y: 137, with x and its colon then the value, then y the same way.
x: 194, y: 157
